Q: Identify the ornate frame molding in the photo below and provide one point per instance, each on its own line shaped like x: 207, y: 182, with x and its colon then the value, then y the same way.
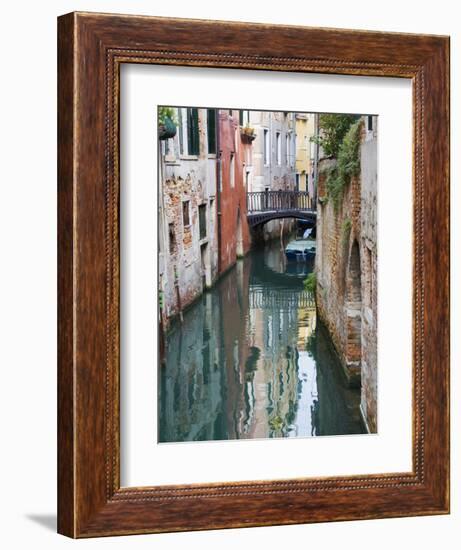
x: 91, y: 49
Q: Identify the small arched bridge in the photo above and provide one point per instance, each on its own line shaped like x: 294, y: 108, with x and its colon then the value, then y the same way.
x: 264, y: 206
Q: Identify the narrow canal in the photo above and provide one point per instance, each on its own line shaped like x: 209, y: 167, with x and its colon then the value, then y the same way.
x: 250, y: 360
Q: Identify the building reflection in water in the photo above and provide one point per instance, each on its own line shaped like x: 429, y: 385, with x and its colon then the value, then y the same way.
x: 250, y: 361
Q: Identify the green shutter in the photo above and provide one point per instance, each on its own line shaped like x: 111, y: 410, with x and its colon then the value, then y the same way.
x: 211, y: 131
x: 192, y: 132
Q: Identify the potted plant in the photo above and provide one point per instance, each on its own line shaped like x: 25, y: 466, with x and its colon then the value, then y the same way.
x: 248, y: 133
x: 166, y: 122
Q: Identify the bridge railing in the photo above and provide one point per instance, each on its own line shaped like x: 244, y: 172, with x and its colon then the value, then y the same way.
x: 260, y: 299
x: 263, y: 201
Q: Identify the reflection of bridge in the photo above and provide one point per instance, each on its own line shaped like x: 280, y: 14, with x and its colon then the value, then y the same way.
x: 281, y: 299
x: 263, y: 206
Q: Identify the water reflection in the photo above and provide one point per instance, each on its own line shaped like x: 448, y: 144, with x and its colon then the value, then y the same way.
x: 250, y: 361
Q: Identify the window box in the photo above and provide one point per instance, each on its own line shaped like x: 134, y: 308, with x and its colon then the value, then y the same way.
x: 248, y: 134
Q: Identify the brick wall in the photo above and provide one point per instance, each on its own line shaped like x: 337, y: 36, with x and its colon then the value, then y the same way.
x: 346, y: 266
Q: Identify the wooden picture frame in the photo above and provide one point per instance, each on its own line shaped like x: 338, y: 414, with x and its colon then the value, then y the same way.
x: 91, y: 48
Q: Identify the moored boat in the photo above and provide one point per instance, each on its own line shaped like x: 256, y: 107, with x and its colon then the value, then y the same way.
x: 301, y: 250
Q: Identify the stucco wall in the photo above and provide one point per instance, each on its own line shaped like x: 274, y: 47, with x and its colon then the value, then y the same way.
x: 369, y: 246
x: 182, y: 272
x: 235, y: 235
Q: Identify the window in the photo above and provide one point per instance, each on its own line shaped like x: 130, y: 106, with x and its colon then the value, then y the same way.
x: 211, y: 130
x: 266, y: 146
x: 182, y: 131
x: 172, y: 238
x: 370, y: 123
x: 278, y: 145
x: 193, y: 142
x: 202, y: 220
x: 244, y: 118
x: 287, y: 140
x: 232, y: 170
x: 212, y: 213
x: 185, y: 213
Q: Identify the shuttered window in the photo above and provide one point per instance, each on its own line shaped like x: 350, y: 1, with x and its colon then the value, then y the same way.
x: 193, y: 139
x: 202, y: 220
x: 211, y: 131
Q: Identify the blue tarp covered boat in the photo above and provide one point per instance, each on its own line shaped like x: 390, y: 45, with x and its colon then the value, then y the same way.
x: 301, y: 250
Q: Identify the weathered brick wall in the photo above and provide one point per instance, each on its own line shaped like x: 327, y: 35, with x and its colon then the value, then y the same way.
x: 337, y: 230
x: 185, y: 178
x: 182, y: 267
x: 346, y: 266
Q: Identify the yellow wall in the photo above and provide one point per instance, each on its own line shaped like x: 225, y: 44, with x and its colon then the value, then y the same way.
x: 305, y: 126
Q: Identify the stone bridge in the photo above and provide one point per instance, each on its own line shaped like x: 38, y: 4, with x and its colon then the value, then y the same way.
x: 263, y: 206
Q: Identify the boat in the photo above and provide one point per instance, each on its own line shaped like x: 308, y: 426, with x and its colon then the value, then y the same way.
x: 301, y: 250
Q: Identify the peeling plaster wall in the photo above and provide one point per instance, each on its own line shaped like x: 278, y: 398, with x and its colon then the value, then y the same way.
x: 192, y: 179
x: 369, y: 230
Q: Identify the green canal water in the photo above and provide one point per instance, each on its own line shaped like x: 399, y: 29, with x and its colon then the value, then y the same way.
x: 250, y: 360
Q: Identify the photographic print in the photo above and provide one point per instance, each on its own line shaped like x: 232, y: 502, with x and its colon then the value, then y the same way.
x: 267, y: 274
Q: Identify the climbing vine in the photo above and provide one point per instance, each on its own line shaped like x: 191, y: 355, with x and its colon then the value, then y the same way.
x: 346, y: 230
x: 333, y: 128
x: 347, y: 166
x: 310, y: 283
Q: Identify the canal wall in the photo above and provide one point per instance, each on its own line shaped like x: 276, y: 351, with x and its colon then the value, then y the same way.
x: 334, y: 394
x: 346, y: 267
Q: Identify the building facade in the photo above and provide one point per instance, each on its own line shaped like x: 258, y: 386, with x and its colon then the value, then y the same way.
x: 274, y: 160
x: 235, y: 158
x: 187, y: 229
x: 305, y: 152
x: 205, y: 173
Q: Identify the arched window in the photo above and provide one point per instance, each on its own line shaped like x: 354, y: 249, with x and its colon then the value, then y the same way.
x: 354, y: 307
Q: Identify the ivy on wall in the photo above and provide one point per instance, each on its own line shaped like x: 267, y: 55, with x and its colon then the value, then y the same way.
x: 348, y: 163
x: 333, y: 128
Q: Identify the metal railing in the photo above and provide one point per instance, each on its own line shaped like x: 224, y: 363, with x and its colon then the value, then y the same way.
x: 263, y: 201
x: 260, y: 299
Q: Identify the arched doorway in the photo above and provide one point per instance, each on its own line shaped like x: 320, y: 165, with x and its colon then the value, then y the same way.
x: 354, y: 310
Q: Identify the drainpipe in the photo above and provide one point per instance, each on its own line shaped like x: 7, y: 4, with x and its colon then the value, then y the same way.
x: 218, y: 187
